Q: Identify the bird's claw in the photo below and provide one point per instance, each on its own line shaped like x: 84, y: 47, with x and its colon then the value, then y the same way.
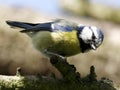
x: 52, y: 54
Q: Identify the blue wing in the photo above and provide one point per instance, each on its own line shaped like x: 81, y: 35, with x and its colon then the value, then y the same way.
x: 55, y: 26
x: 62, y: 25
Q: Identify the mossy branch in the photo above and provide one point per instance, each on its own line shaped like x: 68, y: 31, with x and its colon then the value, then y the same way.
x: 71, y: 80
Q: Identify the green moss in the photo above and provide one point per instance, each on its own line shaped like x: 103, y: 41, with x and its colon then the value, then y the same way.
x: 71, y: 80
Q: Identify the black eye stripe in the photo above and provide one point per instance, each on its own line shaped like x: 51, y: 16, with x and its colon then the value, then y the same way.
x: 93, y: 36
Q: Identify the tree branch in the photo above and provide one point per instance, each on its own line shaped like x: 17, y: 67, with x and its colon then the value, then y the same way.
x: 71, y: 80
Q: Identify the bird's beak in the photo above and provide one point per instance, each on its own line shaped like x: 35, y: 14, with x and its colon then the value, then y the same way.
x: 93, y: 47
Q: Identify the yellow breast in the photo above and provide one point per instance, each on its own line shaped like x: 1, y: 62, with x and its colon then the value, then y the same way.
x: 63, y: 43
x: 67, y: 43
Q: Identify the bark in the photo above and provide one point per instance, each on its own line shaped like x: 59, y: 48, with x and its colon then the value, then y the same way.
x: 71, y: 80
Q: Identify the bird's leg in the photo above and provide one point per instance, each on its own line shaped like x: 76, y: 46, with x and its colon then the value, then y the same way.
x: 55, y: 54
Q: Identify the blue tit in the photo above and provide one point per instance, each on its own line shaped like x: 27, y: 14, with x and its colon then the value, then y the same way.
x: 61, y: 37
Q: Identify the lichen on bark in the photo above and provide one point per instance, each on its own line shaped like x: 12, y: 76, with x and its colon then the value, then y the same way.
x: 71, y: 80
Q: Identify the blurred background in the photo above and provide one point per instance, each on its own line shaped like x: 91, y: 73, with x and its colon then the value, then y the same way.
x: 16, y: 49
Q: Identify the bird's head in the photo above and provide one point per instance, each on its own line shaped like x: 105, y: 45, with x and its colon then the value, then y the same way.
x: 90, y: 37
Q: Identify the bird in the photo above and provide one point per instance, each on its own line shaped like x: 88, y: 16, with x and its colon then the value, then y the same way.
x: 61, y: 37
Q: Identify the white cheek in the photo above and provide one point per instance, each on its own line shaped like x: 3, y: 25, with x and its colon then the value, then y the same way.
x: 86, y: 34
x: 95, y: 31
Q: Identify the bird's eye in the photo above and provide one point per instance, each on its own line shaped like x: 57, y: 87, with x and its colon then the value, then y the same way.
x: 93, y: 37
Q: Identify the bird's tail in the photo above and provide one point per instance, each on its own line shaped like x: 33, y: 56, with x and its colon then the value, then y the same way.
x: 20, y: 24
x: 30, y: 27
